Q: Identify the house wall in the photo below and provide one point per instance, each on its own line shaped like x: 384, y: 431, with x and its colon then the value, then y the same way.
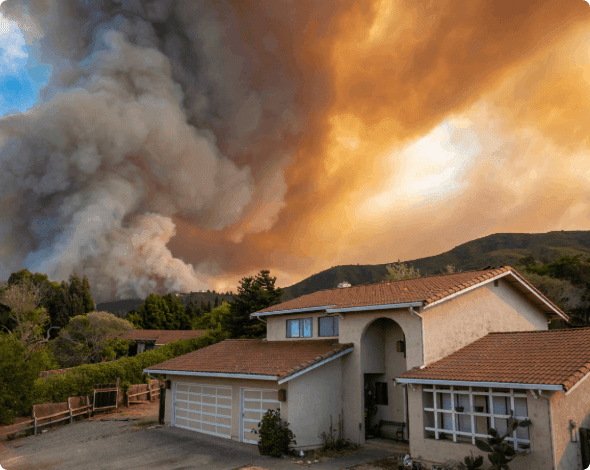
x: 276, y: 326
x: 574, y: 406
x: 463, y: 319
x: 312, y: 398
x: 352, y: 330
x: 439, y: 451
x: 235, y: 384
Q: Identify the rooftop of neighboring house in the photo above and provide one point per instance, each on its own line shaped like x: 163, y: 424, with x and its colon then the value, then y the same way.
x: 551, y: 357
x: 161, y: 337
x: 279, y: 359
x: 422, y: 291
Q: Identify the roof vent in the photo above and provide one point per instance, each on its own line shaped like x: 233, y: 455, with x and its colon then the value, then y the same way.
x: 344, y: 284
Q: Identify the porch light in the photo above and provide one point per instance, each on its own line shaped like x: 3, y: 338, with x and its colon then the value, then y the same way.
x: 401, y: 346
x: 282, y: 394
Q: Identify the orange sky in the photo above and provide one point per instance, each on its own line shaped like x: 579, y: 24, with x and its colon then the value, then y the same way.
x: 427, y: 124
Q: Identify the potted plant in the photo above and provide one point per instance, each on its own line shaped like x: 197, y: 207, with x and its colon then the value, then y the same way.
x: 479, y: 409
x: 460, y: 409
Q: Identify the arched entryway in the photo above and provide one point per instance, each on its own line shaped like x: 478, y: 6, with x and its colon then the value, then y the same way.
x: 383, y: 357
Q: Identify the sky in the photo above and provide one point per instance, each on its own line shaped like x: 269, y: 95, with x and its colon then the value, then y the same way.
x: 174, y: 146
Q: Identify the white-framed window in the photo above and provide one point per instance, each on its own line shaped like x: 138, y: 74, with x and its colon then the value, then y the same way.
x: 464, y: 413
x: 300, y: 328
x: 328, y: 326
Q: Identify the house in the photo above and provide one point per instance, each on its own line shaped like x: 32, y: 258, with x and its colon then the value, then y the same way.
x: 144, y: 340
x: 335, y: 354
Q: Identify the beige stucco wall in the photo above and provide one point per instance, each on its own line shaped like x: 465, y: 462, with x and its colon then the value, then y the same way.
x: 276, y: 326
x: 235, y: 384
x: 463, y: 319
x: 574, y: 406
x: 312, y: 398
x: 440, y: 451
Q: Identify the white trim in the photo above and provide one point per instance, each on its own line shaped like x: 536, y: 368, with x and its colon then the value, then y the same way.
x: 374, y: 307
x: 577, y: 383
x: 294, y: 310
x: 321, y: 363
x: 212, y: 374
x: 495, y: 278
x: 479, y: 384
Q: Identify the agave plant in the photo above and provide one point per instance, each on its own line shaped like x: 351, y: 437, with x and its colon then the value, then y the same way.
x: 471, y: 463
x: 501, y: 453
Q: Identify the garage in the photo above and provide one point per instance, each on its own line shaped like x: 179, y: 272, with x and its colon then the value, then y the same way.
x: 254, y: 403
x: 203, y: 408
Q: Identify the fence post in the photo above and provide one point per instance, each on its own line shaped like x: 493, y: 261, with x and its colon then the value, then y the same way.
x: 150, y: 391
x: 162, y: 404
x: 88, y: 405
x: 34, y: 423
x: 70, y: 410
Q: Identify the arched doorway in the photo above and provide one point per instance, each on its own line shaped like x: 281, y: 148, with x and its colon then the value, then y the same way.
x: 383, y: 357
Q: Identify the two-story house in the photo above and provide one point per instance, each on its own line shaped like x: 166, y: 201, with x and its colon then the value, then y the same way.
x: 325, y: 350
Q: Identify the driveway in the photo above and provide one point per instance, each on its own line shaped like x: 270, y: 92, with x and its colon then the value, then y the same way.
x: 134, y: 445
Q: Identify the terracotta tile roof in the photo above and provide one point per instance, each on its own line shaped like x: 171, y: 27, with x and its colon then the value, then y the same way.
x: 161, y: 337
x: 427, y: 290
x: 553, y: 357
x: 255, y: 356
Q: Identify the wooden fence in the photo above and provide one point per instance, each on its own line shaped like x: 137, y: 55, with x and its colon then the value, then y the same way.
x: 50, y: 413
x: 143, y: 393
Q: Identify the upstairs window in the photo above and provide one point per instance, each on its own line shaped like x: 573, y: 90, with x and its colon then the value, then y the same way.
x: 300, y: 328
x: 328, y: 326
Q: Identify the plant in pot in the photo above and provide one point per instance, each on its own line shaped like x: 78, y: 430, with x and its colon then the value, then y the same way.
x: 460, y: 409
x: 479, y: 409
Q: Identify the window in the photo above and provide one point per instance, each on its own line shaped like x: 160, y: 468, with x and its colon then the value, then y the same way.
x: 300, y: 328
x: 381, y: 393
x: 464, y: 413
x: 328, y: 326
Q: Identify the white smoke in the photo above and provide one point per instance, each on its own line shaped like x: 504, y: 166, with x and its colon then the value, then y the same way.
x: 90, y: 178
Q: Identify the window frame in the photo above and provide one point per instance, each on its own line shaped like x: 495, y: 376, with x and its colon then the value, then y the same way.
x: 335, y: 331
x: 436, y: 398
x: 301, y: 327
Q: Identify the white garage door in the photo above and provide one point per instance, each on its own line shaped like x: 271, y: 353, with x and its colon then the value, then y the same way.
x: 203, y: 408
x: 254, y: 404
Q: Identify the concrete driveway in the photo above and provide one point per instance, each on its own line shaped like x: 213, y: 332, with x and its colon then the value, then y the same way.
x: 126, y: 445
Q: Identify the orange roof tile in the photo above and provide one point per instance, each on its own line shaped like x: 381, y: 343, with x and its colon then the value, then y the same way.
x: 161, y: 337
x: 427, y: 290
x: 552, y: 357
x: 255, y: 356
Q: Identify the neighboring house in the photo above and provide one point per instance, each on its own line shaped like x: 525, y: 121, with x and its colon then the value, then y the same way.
x: 325, y: 351
x: 144, y: 340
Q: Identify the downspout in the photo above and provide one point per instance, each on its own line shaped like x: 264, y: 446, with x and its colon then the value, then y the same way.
x: 421, y: 330
x: 548, y: 398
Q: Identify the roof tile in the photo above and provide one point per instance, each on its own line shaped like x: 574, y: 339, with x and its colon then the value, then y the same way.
x: 553, y: 357
x: 256, y: 357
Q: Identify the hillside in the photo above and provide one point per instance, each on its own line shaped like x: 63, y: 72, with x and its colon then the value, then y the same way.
x: 493, y: 250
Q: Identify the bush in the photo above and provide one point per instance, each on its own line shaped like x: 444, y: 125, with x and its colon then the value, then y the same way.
x: 17, y: 377
x: 275, y: 436
x: 330, y: 441
x: 80, y: 381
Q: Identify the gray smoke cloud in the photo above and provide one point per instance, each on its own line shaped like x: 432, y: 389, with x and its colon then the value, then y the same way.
x: 123, y: 139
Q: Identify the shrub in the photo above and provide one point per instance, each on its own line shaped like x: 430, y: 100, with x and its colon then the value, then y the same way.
x: 80, y: 381
x: 275, y: 436
x: 330, y: 441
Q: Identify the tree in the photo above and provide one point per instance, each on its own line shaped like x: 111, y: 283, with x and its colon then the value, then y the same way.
x: 91, y: 338
x: 26, y: 317
x: 216, y: 302
x: 400, y: 271
x: 216, y: 318
x: 254, y: 293
x: 161, y: 313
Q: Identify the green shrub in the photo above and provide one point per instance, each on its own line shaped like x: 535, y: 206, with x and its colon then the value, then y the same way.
x: 331, y: 442
x: 275, y: 436
x: 80, y: 381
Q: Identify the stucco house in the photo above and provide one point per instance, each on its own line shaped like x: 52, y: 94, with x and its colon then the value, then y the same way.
x: 325, y: 351
x: 145, y: 340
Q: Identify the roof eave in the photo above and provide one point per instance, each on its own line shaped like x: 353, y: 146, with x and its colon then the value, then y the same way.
x: 468, y: 383
x: 211, y: 374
